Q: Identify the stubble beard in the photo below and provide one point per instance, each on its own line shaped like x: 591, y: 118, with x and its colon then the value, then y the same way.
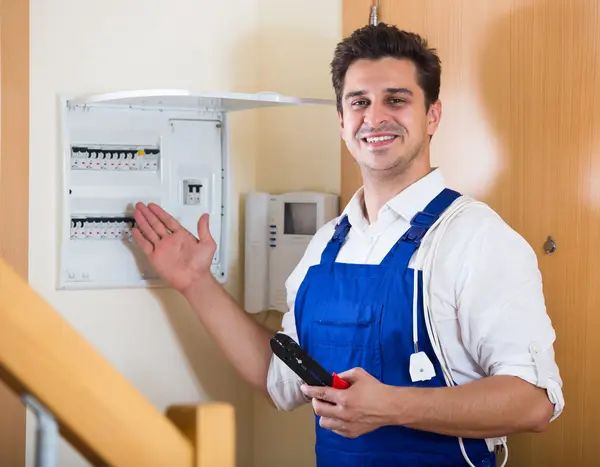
x: 394, y: 171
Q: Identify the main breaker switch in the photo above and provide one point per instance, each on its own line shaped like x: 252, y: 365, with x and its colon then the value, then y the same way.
x: 191, y: 191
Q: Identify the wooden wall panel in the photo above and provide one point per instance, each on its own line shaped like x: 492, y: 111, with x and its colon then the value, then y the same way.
x: 14, y: 190
x: 521, y: 131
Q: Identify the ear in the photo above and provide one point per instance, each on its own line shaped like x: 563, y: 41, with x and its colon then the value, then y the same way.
x: 434, y: 115
x: 341, y: 119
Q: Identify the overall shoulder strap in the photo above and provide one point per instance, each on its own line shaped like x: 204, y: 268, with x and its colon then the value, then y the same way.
x: 422, y: 221
x: 337, y: 240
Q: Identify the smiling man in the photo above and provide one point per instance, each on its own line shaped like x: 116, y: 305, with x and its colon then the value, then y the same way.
x: 389, y: 109
x: 416, y: 398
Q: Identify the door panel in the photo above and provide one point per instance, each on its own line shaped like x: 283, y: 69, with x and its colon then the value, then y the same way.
x: 521, y: 131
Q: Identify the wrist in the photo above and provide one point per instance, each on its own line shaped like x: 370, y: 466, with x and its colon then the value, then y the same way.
x: 199, y: 287
x: 406, y: 405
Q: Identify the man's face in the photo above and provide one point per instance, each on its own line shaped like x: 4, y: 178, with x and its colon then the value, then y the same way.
x: 384, y: 121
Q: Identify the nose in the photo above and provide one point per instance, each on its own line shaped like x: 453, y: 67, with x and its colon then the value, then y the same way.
x: 376, y: 115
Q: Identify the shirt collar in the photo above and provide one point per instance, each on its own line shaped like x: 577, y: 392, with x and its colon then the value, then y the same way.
x: 406, y: 204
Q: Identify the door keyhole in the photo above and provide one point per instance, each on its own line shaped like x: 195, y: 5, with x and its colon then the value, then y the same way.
x: 549, y: 246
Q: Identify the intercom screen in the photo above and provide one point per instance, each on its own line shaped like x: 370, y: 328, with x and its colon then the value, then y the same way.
x: 300, y: 219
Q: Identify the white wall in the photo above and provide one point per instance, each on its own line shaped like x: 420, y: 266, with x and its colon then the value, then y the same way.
x: 82, y: 46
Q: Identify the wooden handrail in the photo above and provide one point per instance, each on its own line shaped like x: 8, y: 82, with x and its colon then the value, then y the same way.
x: 99, y: 412
x: 210, y: 428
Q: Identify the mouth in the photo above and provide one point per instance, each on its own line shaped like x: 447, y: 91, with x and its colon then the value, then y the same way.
x: 379, y: 141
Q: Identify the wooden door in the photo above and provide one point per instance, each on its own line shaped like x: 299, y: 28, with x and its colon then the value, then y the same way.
x: 521, y: 131
x: 14, y: 191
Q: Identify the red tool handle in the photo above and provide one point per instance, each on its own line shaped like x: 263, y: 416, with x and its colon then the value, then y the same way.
x: 339, y: 383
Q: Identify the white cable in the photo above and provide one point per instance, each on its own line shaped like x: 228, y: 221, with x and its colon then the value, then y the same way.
x: 426, y: 260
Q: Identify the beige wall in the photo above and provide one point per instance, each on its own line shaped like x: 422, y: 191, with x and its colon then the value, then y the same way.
x: 239, y: 45
x: 299, y: 150
x: 81, y: 46
x: 296, y: 44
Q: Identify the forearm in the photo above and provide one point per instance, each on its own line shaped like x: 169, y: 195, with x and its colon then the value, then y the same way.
x: 244, y: 342
x: 491, y: 407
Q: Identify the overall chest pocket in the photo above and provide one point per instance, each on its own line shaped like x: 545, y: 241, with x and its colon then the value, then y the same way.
x: 347, y: 335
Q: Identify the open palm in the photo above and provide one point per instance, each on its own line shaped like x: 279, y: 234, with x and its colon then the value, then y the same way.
x: 177, y: 256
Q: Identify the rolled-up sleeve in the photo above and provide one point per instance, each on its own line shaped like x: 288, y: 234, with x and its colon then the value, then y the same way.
x: 501, y: 309
x: 283, y: 384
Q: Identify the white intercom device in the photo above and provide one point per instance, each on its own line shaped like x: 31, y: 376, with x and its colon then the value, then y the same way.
x: 279, y: 227
x: 169, y: 147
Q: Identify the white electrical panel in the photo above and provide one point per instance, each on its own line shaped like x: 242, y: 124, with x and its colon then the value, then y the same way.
x: 166, y: 147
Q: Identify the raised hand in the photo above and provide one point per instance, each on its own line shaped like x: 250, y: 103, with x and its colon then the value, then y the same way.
x: 176, y: 255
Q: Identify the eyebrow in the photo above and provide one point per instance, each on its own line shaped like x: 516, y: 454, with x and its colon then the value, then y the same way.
x: 352, y: 94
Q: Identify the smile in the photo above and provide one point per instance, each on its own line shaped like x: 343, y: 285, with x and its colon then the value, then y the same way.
x: 374, y: 143
x: 379, y: 139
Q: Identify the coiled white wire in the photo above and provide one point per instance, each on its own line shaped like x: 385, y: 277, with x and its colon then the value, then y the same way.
x: 426, y: 258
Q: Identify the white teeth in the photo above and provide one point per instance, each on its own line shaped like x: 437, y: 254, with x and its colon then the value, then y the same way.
x: 379, y: 139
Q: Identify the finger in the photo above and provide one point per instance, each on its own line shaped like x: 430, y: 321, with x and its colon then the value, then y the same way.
x: 332, y: 424
x: 345, y: 433
x: 143, y: 226
x: 169, y: 221
x: 203, y: 229
x: 353, y: 375
x: 156, y: 224
x: 144, y: 244
x: 326, y: 409
x: 324, y: 393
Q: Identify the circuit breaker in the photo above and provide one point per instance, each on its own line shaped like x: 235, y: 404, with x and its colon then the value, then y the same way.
x: 192, y: 190
x: 169, y: 147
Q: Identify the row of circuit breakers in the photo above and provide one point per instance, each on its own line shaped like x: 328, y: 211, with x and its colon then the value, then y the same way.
x: 107, y: 158
x: 102, y: 227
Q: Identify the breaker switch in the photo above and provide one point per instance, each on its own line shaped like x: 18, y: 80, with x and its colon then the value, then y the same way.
x: 192, y: 191
x: 102, y: 227
x: 99, y: 157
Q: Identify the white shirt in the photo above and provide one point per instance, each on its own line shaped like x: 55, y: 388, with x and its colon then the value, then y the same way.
x: 486, y: 292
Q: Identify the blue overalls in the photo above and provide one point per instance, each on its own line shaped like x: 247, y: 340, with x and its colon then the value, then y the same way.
x: 358, y: 315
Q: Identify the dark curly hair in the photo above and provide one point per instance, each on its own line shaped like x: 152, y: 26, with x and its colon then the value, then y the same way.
x: 374, y: 42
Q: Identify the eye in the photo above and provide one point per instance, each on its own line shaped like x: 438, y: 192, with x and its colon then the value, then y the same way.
x: 397, y: 100
x: 362, y: 102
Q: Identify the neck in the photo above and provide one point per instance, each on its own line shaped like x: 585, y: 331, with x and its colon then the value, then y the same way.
x: 378, y: 190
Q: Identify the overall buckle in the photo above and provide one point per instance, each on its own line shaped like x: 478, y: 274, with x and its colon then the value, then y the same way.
x: 423, y: 219
x: 419, y: 225
x: 341, y: 229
